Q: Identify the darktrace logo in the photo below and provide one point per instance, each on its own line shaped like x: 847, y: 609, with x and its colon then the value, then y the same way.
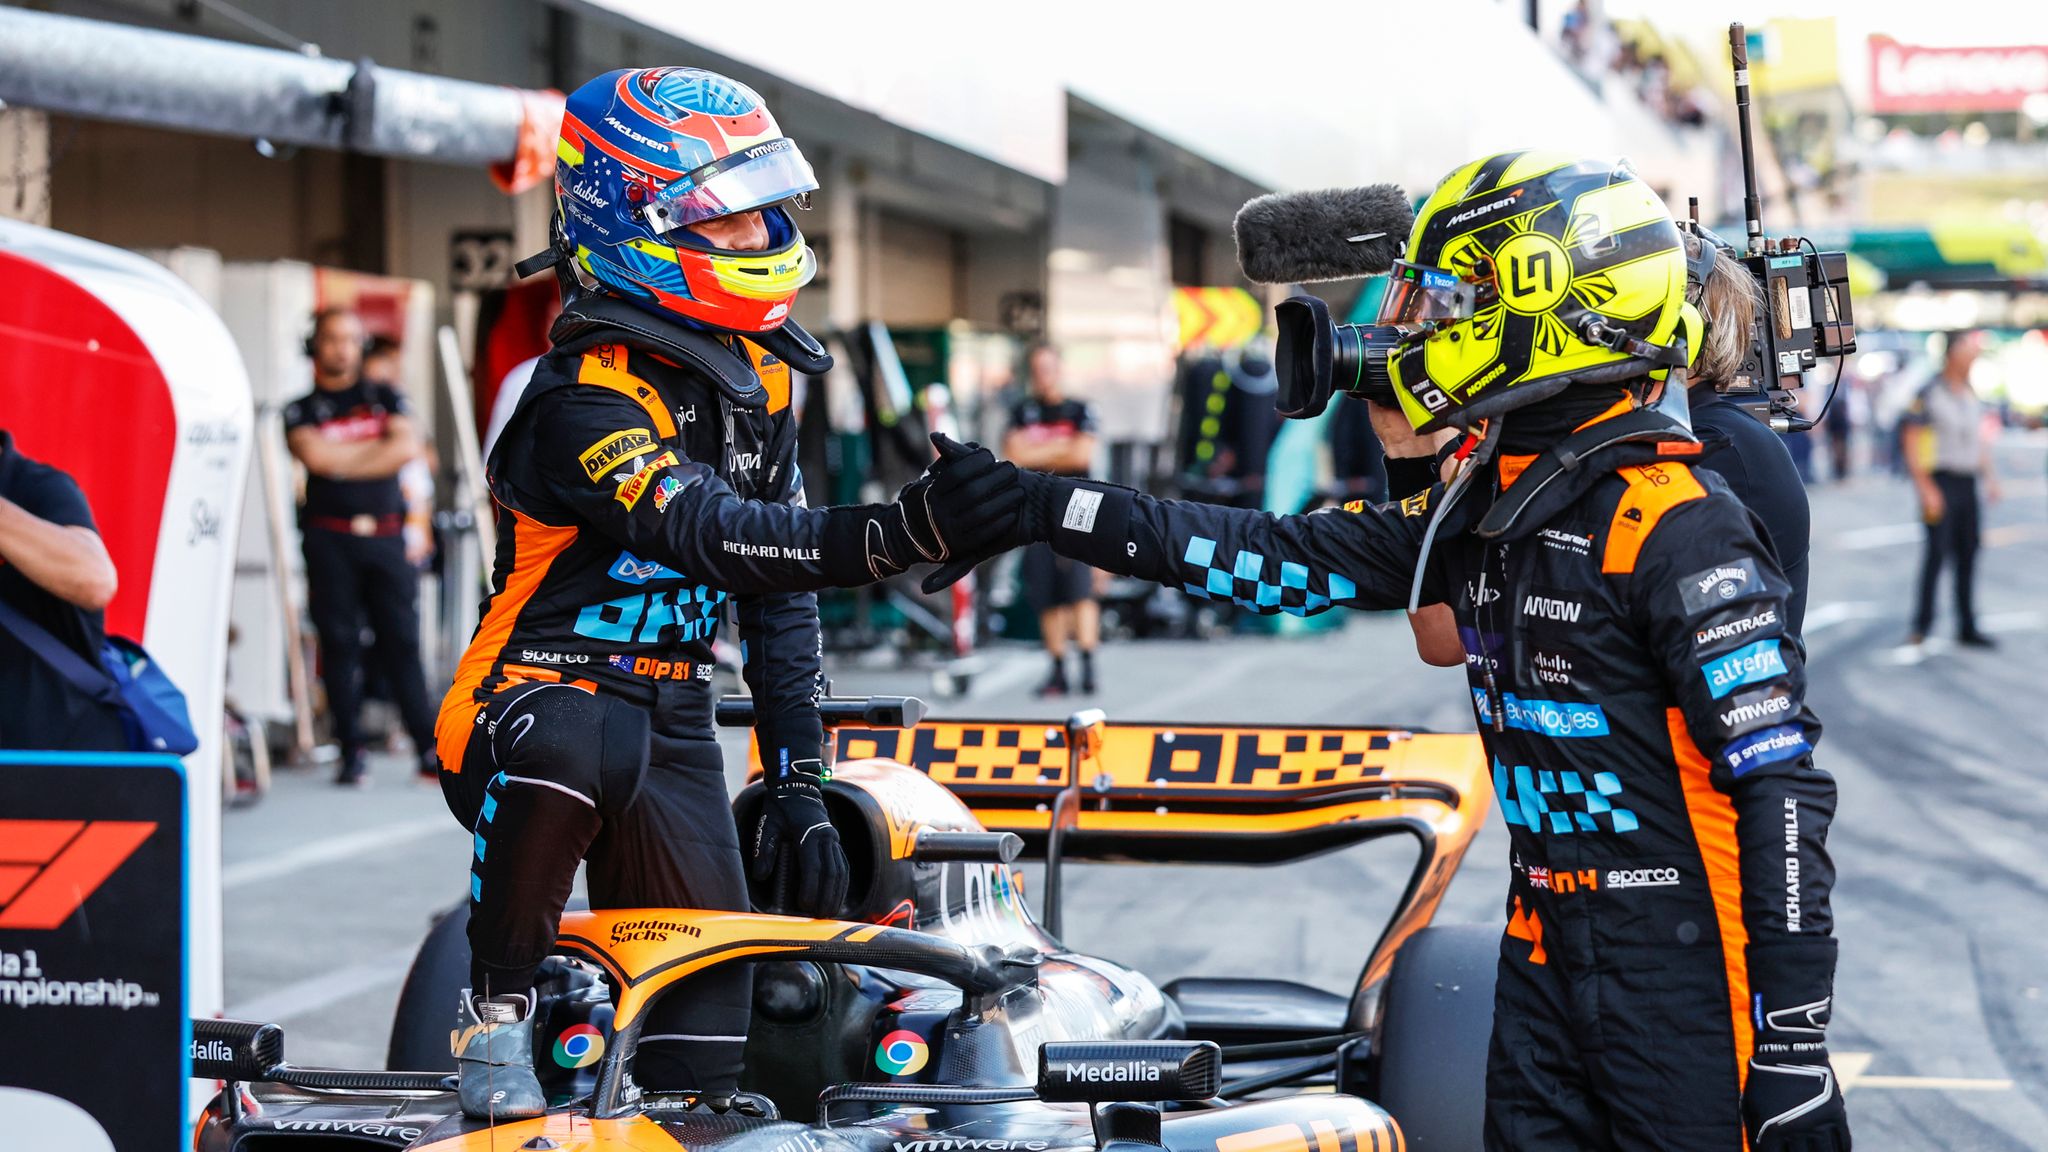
x: 1714, y: 633
x: 59, y: 864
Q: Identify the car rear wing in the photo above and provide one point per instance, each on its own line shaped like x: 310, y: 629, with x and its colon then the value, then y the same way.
x: 1204, y: 793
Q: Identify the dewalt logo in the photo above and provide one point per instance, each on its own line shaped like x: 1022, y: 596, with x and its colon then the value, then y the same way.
x: 50, y: 867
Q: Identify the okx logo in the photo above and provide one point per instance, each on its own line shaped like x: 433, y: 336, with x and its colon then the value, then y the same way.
x: 49, y: 867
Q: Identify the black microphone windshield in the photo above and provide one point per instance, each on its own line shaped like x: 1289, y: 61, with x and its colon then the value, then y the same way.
x: 1333, y: 234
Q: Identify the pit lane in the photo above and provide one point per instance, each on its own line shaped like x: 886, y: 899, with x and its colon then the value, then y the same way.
x: 1941, y: 1026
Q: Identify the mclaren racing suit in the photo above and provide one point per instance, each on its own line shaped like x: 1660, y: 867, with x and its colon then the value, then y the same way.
x: 1641, y: 702
x: 647, y: 477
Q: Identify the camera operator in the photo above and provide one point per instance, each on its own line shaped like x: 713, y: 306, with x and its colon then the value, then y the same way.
x: 1639, y: 696
x: 1747, y: 454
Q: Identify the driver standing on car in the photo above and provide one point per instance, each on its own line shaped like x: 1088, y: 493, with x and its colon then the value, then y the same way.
x: 647, y: 477
x: 1667, y: 972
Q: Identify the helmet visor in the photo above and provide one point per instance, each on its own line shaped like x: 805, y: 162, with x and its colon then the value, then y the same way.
x: 1420, y: 294
x: 755, y: 177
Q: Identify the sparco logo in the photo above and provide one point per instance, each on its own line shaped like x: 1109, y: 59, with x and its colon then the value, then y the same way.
x: 970, y: 1146
x: 1643, y: 878
x: 1485, y: 209
x: 349, y: 1127
x: 539, y: 657
x: 1123, y: 1072
x: 1744, y: 713
x: 1551, y: 609
x: 1733, y: 628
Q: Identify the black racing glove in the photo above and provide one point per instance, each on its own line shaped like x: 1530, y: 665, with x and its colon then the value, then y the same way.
x: 967, y: 507
x: 955, y: 514
x: 795, y: 843
x: 1792, y: 1102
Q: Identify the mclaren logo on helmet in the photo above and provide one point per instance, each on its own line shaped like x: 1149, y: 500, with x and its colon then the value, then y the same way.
x: 1486, y: 209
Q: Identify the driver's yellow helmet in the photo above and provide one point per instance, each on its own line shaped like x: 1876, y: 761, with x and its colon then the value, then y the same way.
x: 1528, y: 272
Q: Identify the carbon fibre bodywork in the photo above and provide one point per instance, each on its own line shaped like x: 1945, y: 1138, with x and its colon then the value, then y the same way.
x: 941, y: 981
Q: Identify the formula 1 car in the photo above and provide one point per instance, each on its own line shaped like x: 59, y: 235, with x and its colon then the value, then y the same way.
x: 942, y: 1014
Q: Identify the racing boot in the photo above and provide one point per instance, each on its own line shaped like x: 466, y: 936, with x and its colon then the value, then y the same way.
x: 493, y: 1045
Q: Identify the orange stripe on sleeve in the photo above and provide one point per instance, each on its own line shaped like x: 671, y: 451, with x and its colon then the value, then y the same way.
x: 1653, y: 490
x: 1713, y: 828
x: 605, y: 366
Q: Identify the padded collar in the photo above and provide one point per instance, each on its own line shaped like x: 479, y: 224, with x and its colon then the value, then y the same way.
x: 591, y: 319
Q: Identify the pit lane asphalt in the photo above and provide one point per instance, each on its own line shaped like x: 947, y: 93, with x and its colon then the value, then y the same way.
x: 1941, y: 1026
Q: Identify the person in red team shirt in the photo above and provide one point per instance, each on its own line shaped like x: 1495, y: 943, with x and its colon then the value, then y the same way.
x: 353, y: 436
x: 1053, y: 432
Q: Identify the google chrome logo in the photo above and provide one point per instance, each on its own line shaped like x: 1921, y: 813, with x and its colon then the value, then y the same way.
x: 581, y: 1045
x: 901, y: 1053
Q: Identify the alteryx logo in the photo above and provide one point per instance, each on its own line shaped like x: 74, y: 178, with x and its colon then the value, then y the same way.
x: 1758, y: 661
x: 634, y: 570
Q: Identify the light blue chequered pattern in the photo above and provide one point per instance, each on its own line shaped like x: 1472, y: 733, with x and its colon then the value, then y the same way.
x: 1524, y: 800
x: 1243, y: 582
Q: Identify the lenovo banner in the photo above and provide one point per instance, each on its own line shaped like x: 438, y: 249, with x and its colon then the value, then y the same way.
x: 1914, y: 78
x: 92, y: 952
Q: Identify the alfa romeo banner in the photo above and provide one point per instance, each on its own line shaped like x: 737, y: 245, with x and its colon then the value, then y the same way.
x: 92, y: 952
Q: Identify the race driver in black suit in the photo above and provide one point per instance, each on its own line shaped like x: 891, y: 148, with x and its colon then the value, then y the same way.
x: 647, y: 480
x: 1666, y: 976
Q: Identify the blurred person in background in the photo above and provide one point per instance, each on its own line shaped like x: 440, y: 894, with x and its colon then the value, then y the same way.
x: 1947, y: 449
x: 55, y: 574
x: 354, y: 436
x: 1053, y: 432
x: 383, y: 365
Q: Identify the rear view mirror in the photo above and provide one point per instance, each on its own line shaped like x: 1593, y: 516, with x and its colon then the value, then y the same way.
x: 1100, y: 1071
x: 235, y: 1049
x: 1084, y: 736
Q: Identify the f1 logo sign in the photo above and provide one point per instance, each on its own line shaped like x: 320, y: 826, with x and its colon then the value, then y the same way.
x: 49, y: 867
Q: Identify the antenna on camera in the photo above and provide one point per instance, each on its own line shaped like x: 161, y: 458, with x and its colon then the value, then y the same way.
x: 1752, y: 202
